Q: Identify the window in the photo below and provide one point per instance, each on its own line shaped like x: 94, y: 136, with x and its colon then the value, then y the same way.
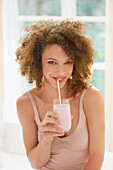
x: 94, y: 17
x: 90, y: 12
x: 23, y: 12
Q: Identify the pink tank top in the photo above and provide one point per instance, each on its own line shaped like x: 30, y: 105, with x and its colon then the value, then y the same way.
x: 71, y: 152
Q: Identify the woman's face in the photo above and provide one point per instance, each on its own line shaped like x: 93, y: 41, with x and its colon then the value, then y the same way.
x: 56, y: 65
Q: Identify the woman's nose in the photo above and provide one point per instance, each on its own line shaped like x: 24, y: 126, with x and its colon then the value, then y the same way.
x: 60, y: 69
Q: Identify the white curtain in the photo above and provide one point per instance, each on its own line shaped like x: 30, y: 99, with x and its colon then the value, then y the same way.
x: 109, y: 75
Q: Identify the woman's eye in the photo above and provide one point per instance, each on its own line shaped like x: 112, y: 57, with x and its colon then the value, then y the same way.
x: 51, y: 62
x: 68, y: 62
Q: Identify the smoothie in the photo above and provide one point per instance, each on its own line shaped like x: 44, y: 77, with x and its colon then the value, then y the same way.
x: 64, y: 112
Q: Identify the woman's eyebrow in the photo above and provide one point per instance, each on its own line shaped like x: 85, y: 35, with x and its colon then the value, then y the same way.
x: 56, y: 59
x: 51, y: 59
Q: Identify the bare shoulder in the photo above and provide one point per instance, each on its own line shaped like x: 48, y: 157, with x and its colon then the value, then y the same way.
x: 92, y: 94
x: 93, y: 100
x: 24, y: 107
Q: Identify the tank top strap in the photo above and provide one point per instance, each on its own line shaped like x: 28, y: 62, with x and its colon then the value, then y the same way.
x: 34, y: 107
x: 81, y: 110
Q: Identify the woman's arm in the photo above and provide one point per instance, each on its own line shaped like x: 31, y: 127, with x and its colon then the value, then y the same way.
x: 37, y: 153
x: 94, y: 110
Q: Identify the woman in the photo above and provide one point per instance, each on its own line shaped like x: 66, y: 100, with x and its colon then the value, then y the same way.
x: 52, y: 51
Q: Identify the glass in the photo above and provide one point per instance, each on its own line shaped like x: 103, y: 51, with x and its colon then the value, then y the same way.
x: 90, y: 8
x: 96, y: 31
x: 64, y: 112
x: 40, y: 7
x: 98, y: 80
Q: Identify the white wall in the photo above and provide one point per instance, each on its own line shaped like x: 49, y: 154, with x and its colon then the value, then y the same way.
x: 1, y: 81
x: 13, y: 141
x: 10, y: 133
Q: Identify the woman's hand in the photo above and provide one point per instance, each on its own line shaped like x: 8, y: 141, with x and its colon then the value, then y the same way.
x: 48, y: 128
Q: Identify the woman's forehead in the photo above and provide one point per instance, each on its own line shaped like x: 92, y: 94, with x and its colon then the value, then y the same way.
x: 53, y: 47
x: 54, y: 51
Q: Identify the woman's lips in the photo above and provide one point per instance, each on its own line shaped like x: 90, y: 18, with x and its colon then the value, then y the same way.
x: 61, y: 79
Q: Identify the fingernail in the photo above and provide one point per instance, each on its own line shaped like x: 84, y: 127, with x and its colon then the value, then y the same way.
x: 41, y: 128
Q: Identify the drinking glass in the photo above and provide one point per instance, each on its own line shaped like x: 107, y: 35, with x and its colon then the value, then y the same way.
x: 64, y: 112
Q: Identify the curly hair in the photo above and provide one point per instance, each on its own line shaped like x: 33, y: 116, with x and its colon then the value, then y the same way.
x: 70, y: 35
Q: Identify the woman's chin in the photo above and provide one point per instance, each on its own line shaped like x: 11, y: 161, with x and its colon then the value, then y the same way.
x: 61, y: 85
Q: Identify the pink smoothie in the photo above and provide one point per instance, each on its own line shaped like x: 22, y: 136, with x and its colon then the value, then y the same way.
x: 64, y: 113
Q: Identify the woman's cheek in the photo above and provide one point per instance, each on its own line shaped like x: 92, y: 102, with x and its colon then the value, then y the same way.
x: 48, y: 69
x: 69, y: 68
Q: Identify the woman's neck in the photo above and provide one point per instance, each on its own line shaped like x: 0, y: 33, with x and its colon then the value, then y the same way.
x: 48, y: 94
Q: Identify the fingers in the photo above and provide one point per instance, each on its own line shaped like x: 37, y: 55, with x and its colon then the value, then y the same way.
x: 48, y: 127
x: 51, y: 114
x: 51, y: 129
x: 48, y: 134
x: 50, y: 120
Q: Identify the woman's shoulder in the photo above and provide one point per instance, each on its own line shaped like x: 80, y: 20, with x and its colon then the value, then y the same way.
x: 93, y: 98
x: 23, y: 105
x: 92, y: 93
x: 23, y: 99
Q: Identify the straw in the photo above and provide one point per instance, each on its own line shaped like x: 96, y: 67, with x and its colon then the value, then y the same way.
x: 59, y: 92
